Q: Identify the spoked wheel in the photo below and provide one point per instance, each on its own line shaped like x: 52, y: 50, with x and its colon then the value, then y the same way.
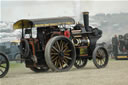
x: 4, y: 65
x: 100, y: 57
x: 39, y: 69
x: 60, y: 53
x: 80, y: 62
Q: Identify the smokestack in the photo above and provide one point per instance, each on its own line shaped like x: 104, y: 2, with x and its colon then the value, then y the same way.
x: 86, y: 21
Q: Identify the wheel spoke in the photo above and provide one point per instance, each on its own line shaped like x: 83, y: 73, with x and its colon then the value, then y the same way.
x: 102, y: 53
x: 55, y: 48
x: 100, y: 62
x: 102, y: 56
x: 54, y: 53
x: 103, y: 59
x: 59, y: 65
x: 58, y: 45
x: 66, y: 54
x: 61, y: 44
x: 59, y: 61
x: 68, y: 57
x: 96, y: 60
x: 52, y: 50
x: 64, y: 61
x: 67, y: 51
x: 65, y: 47
x: 103, y: 62
x: 98, y: 53
x: 54, y: 59
x: 1, y: 70
x: 55, y: 63
x: 2, y: 66
x: 80, y: 62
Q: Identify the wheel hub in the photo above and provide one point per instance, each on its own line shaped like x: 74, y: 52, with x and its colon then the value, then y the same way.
x: 61, y: 54
x: 100, y: 57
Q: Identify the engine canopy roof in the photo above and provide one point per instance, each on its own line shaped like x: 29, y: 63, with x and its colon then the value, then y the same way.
x: 29, y: 23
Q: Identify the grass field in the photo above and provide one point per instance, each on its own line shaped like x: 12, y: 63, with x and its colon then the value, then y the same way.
x: 116, y: 73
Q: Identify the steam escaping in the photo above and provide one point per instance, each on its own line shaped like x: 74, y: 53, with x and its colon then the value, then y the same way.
x: 77, y: 10
x: 111, y: 24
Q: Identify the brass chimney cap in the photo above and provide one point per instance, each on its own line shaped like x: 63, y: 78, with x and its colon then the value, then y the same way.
x: 85, y: 12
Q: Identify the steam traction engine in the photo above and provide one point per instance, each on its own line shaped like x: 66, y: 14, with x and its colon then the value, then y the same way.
x: 60, y: 44
x: 120, y: 47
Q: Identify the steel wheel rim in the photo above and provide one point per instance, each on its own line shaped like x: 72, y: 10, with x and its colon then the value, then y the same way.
x: 61, y: 54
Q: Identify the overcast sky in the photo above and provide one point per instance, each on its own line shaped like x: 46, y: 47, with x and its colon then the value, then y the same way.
x: 12, y: 10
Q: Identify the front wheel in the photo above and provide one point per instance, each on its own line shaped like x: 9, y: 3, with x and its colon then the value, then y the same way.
x: 4, y: 65
x: 60, y: 53
x: 100, y: 57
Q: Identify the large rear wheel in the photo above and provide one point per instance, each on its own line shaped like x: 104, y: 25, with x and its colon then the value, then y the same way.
x: 4, y: 65
x: 60, y: 53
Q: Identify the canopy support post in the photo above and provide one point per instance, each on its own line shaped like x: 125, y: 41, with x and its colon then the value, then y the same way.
x: 31, y: 30
x: 22, y: 29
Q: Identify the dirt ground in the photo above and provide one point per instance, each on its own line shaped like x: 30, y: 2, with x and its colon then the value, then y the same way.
x: 116, y: 73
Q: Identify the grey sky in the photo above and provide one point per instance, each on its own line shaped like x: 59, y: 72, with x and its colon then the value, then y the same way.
x: 15, y: 10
